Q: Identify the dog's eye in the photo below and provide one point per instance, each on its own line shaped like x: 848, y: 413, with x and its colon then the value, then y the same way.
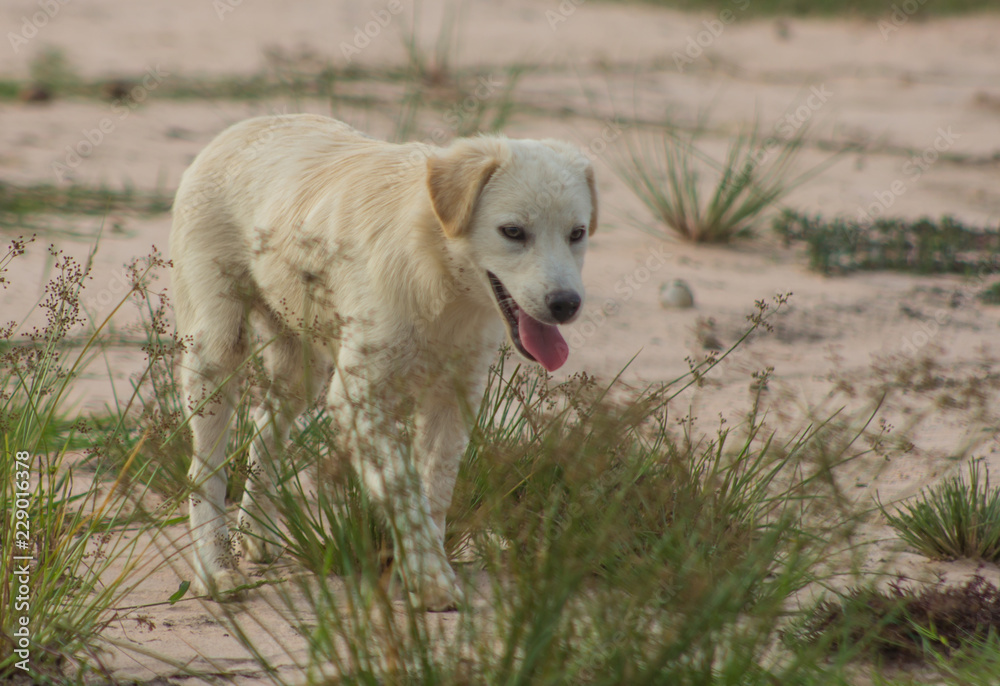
x: 577, y: 234
x: 514, y: 233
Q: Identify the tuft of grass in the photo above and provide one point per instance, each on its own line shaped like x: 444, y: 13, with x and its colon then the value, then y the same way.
x: 464, y: 102
x: 433, y: 68
x: 52, y: 71
x: 958, y: 518
x: 991, y: 294
x: 326, y: 523
x: 602, y: 545
x: 85, y: 546
x: 666, y: 173
x: 841, y: 245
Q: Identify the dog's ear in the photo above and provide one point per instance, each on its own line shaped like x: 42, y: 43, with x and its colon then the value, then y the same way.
x: 456, y: 178
x: 592, y: 185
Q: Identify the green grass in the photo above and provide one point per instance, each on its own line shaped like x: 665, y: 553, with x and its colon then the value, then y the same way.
x: 667, y: 171
x: 613, y: 554
x: 83, y: 561
x: 606, y: 542
x: 841, y: 245
x: 287, y: 75
x: 991, y: 294
x: 17, y: 201
x: 30, y: 207
x: 613, y: 548
x: 611, y: 542
x: 958, y: 518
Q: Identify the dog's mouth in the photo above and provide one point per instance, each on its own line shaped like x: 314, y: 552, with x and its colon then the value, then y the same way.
x: 538, y: 342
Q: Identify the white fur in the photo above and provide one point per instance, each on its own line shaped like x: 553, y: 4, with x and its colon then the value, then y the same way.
x: 368, y: 260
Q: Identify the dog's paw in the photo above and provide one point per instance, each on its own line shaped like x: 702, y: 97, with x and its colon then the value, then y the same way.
x: 439, y: 599
x: 223, y: 585
x: 257, y: 549
x: 439, y: 590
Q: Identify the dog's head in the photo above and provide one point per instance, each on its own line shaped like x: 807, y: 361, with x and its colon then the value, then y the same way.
x: 523, y: 211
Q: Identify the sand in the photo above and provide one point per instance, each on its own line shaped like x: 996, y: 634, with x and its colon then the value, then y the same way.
x: 918, y: 100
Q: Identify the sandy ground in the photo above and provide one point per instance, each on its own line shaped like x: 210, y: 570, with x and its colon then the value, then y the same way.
x: 915, y: 97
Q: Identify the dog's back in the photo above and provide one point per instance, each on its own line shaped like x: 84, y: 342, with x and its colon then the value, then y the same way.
x: 293, y: 189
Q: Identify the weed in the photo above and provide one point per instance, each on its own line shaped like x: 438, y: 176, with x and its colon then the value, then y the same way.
x: 841, y: 245
x: 52, y: 71
x: 468, y: 102
x: 77, y: 561
x: 958, y: 518
x: 23, y: 206
x: 434, y: 69
x: 991, y: 294
x: 666, y: 173
x: 602, y: 546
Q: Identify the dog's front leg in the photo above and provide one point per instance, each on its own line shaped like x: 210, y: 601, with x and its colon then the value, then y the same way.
x: 367, y: 420
x: 442, y: 434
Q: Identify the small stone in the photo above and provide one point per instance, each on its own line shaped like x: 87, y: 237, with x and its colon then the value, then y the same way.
x: 677, y: 295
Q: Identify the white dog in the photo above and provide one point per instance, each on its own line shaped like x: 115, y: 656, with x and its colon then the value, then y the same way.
x: 396, y: 268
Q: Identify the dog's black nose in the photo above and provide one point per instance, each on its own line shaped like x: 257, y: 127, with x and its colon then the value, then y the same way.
x: 563, y: 304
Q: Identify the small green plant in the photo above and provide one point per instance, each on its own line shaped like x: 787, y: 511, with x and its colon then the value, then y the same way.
x: 433, y: 68
x: 69, y: 555
x: 666, y: 173
x: 841, y: 245
x: 27, y: 206
x: 605, y: 547
x: 51, y: 70
x: 461, y: 102
x: 958, y: 518
x: 991, y: 294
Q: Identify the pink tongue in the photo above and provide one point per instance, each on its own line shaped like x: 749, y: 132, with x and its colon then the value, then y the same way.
x: 543, y: 341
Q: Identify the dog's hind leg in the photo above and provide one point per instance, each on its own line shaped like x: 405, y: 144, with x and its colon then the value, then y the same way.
x: 217, y: 348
